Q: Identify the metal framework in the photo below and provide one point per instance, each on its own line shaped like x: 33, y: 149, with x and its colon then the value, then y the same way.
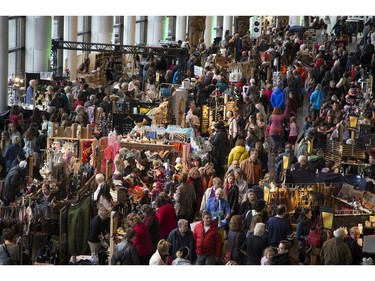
x: 157, y: 50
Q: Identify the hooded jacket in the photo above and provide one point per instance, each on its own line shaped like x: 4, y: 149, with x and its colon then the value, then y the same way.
x: 237, y: 153
x: 278, y: 98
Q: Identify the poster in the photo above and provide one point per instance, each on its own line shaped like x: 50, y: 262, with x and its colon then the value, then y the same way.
x: 198, y: 70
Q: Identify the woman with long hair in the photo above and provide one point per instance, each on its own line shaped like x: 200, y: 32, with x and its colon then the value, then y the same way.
x: 277, y: 125
x: 302, y: 232
x: 104, y: 197
x: 236, y: 238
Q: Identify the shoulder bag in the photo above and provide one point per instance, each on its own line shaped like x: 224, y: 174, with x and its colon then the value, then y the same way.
x: 315, y: 238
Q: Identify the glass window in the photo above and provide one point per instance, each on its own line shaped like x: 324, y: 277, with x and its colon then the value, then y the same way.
x: 16, y: 44
x: 118, y: 30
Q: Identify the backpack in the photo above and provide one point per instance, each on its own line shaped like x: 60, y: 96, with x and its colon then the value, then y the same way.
x: 9, y: 260
x: 119, y: 257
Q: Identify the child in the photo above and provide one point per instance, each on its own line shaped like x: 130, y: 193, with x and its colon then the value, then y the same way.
x: 308, y: 123
x: 293, y: 130
x: 268, y: 254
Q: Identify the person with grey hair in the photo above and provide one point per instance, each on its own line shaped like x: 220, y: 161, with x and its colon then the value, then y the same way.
x: 210, y: 193
x: 219, y: 207
x: 180, y: 237
x: 335, y: 251
x: 13, y: 182
x: 254, y: 245
x: 99, y: 179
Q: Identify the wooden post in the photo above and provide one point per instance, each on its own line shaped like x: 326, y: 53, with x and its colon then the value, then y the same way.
x: 108, y: 170
x: 31, y: 169
x: 269, y: 73
x: 185, y: 167
x: 225, y: 107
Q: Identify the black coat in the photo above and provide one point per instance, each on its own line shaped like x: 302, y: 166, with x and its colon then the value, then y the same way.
x: 152, y: 224
x: 13, y: 182
x: 254, y: 247
x: 219, y: 145
x: 233, y: 199
x: 282, y: 259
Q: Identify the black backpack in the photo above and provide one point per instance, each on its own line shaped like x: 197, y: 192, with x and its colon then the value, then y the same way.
x: 8, y: 260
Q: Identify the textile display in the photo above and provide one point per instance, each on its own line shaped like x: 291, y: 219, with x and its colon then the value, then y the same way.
x: 78, y: 227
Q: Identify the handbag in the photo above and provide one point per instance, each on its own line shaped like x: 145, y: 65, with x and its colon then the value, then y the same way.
x: 315, y: 238
x: 228, y: 256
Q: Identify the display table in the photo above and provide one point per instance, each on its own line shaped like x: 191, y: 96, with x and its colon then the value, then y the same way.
x: 81, y: 260
x: 146, y: 146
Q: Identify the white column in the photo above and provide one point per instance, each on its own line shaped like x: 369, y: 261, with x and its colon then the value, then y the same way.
x: 208, y: 31
x: 38, y: 43
x: 70, y: 34
x: 101, y: 29
x: 180, y: 28
x: 155, y: 29
x: 219, y: 26
x: 294, y: 20
x: 129, y: 30
x: 227, y: 25
x: 4, y: 48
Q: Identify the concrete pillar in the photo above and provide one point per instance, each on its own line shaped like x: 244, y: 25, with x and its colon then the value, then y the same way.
x: 219, y: 26
x: 4, y: 48
x: 294, y: 20
x: 208, y: 32
x: 129, y: 30
x: 227, y: 25
x: 156, y: 29
x: 38, y: 43
x: 180, y: 28
x: 70, y: 34
x: 101, y: 29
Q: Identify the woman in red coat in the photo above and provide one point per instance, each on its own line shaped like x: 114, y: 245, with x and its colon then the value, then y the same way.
x: 142, y: 238
x: 166, y: 215
x: 208, y: 240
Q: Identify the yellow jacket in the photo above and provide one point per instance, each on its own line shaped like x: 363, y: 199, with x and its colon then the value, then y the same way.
x: 237, y: 153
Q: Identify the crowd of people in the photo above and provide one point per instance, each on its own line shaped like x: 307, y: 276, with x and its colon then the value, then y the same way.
x: 214, y: 212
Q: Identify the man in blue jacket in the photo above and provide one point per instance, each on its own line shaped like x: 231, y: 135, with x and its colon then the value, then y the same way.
x: 278, y: 97
x: 316, y: 100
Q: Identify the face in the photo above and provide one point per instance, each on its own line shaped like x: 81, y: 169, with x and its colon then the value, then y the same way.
x: 281, y: 249
x: 235, y: 164
x: 12, y: 127
x: 230, y: 179
x: 254, y: 156
x: 196, y: 163
x: 206, y: 220
x: 251, y: 196
x: 355, y: 235
x: 236, y: 176
x: 218, y: 194
x: 183, y: 228
x: 45, y: 191
x: 270, y: 255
